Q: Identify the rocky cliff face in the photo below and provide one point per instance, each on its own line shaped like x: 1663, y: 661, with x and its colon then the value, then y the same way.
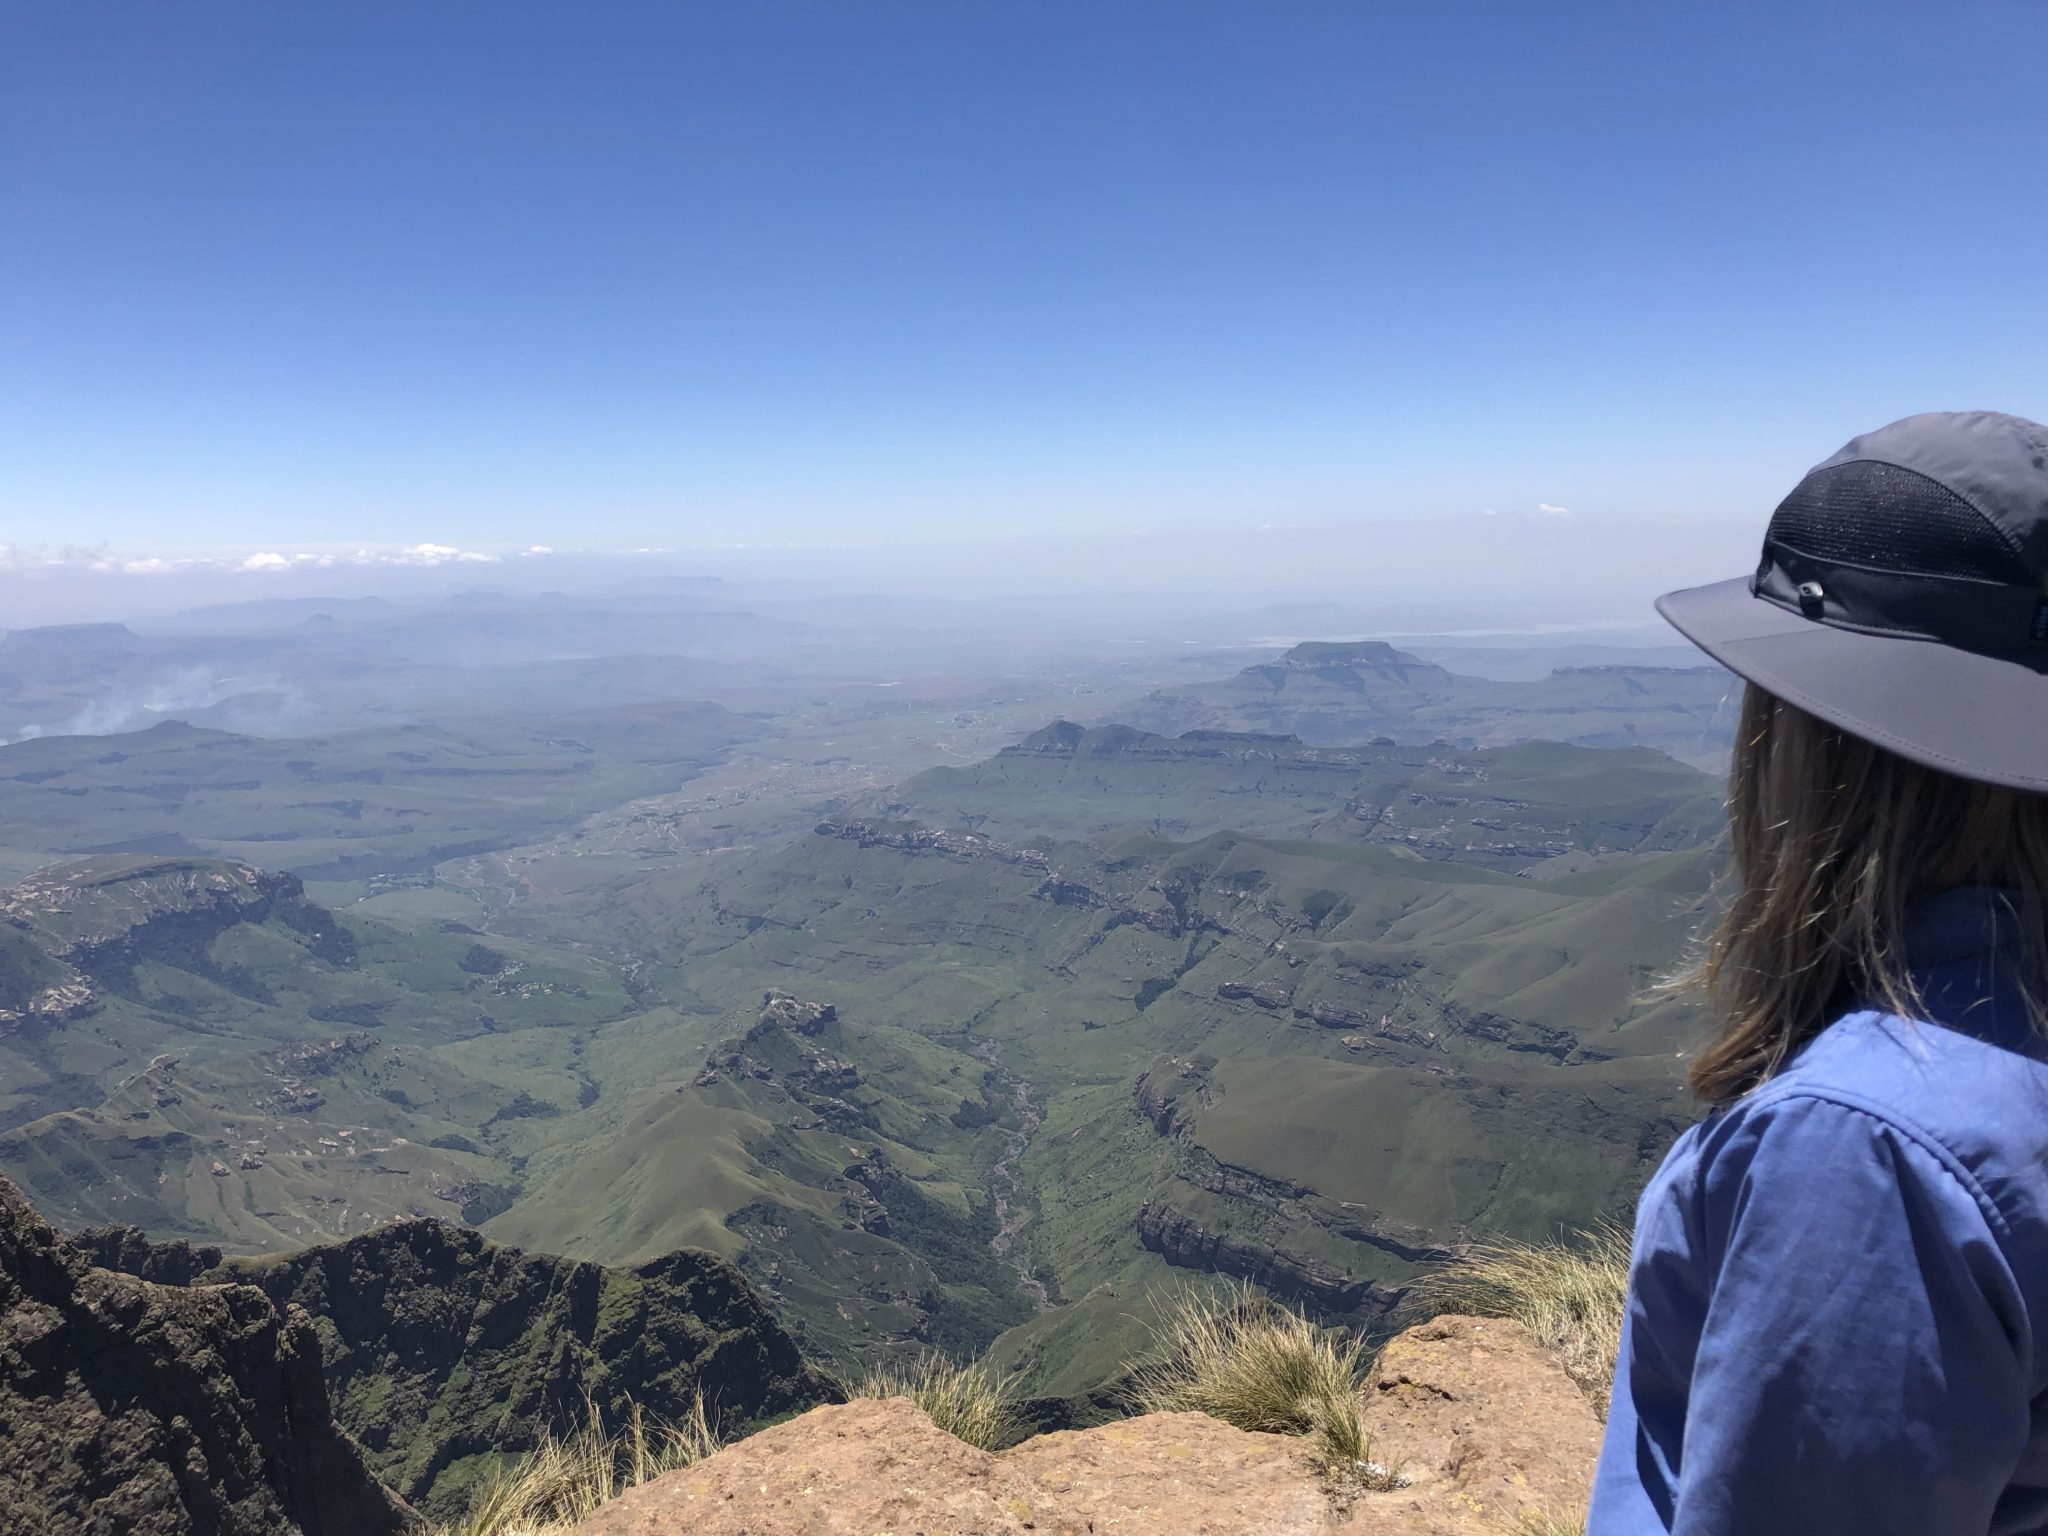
x: 75, y: 931
x: 129, y: 1408
x: 446, y: 1351
x: 1270, y: 1213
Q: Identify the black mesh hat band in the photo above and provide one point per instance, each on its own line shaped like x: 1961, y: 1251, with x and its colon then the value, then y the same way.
x: 1875, y: 546
x: 1965, y: 611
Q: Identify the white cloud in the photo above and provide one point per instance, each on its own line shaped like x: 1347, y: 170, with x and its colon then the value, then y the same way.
x: 40, y: 559
x: 431, y: 554
x: 1549, y: 511
x: 539, y: 549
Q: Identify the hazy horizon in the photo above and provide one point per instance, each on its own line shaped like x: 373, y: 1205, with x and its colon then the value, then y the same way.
x: 1398, y: 575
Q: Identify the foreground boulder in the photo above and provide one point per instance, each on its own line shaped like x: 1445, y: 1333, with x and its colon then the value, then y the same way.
x: 129, y: 1408
x: 1486, y: 1425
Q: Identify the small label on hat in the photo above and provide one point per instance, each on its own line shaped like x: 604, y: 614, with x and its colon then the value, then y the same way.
x: 2041, y: 622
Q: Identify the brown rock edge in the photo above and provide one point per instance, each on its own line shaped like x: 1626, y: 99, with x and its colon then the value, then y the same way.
x: 1486, y: 1423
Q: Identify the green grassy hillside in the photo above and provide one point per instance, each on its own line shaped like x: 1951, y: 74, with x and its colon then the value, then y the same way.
x: 989, y: 1058
x: 1477, y: 1037
x: 1508, y: 807
x: 372, y: 800
x: 230, y: 1060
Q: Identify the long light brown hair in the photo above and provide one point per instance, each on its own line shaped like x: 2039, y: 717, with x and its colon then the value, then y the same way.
x: 1833, y: 838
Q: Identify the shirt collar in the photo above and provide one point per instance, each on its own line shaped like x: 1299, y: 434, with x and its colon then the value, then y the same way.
x: 1956, y: 925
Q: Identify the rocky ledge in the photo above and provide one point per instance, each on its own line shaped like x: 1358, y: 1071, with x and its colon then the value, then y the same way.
x: 1484, y: 1423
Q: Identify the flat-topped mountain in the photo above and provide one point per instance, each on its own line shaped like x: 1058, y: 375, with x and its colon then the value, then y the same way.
x: 1505, y: 807
x: 1337, y: 692
x: 81, y: 909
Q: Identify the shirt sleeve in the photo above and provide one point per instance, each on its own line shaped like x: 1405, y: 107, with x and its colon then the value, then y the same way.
x: 1863, y: 1360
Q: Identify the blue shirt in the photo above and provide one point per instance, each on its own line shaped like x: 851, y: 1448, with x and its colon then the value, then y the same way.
x: 1840, y: 1282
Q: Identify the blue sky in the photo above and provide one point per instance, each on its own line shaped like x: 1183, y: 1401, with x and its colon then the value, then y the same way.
x: 599, y: 276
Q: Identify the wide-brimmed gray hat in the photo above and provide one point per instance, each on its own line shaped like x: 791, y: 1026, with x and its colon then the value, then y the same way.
x: 1903, y: 596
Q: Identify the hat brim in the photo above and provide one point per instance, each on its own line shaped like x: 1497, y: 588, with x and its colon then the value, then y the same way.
x: 1970, y: 713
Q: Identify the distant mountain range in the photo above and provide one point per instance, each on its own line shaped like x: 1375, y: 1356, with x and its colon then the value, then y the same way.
x: 383, y: 800
x: 1331, y: 693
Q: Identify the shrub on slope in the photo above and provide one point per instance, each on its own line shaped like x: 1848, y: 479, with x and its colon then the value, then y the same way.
x: 1259, y: 1366
x: 966, y: 1401
x: 565, y: 1478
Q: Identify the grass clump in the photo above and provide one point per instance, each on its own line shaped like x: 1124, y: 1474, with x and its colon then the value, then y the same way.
x: 1543, y: 1522
x: 1570, y: 1294
x: 565, y: 1478
x: 1254, y: 1364
x: 967, y: 1401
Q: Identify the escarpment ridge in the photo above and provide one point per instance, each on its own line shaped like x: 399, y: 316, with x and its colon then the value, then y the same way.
x: 350, y: 1389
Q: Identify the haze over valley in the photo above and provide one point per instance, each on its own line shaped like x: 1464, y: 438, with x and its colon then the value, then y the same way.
x: 967, y: 983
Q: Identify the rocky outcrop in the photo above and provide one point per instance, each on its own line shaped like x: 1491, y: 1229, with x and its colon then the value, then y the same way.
x: 105, y: 911
x: 1484, y: 1425
x: 1186, y: 1243
x: 778, y: 1048
x: 446, y: 1349
x: 1270, y: 995
x: 884, y: 1467
x: 71, y: 935
x: 781, y: 1010
x: 127, y: 1251
x: 134, y: 1409
x: 907, y: 837
x: 1488, y: 1423
x: 59, y: 1003
x: 1168, y: 1095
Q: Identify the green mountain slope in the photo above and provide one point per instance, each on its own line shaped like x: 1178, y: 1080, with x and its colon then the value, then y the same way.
x: 446, y: 1356
x: 205, y: 1051
x: 985, y: 1059
x: 843, y: 1161
x: 1507, y: 807
x: 1476, y: 1035
x: 369, y: 801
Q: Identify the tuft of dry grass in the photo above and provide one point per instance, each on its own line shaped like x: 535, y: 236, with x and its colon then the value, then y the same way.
x: 1543, y: 1522
x: 567, y: 1477
x: 1253, y: 1363
x: 1570, y: 1294
x: 967, y: 1401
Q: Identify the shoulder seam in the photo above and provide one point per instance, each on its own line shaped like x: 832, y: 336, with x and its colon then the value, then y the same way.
x: 1920, y: 1136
